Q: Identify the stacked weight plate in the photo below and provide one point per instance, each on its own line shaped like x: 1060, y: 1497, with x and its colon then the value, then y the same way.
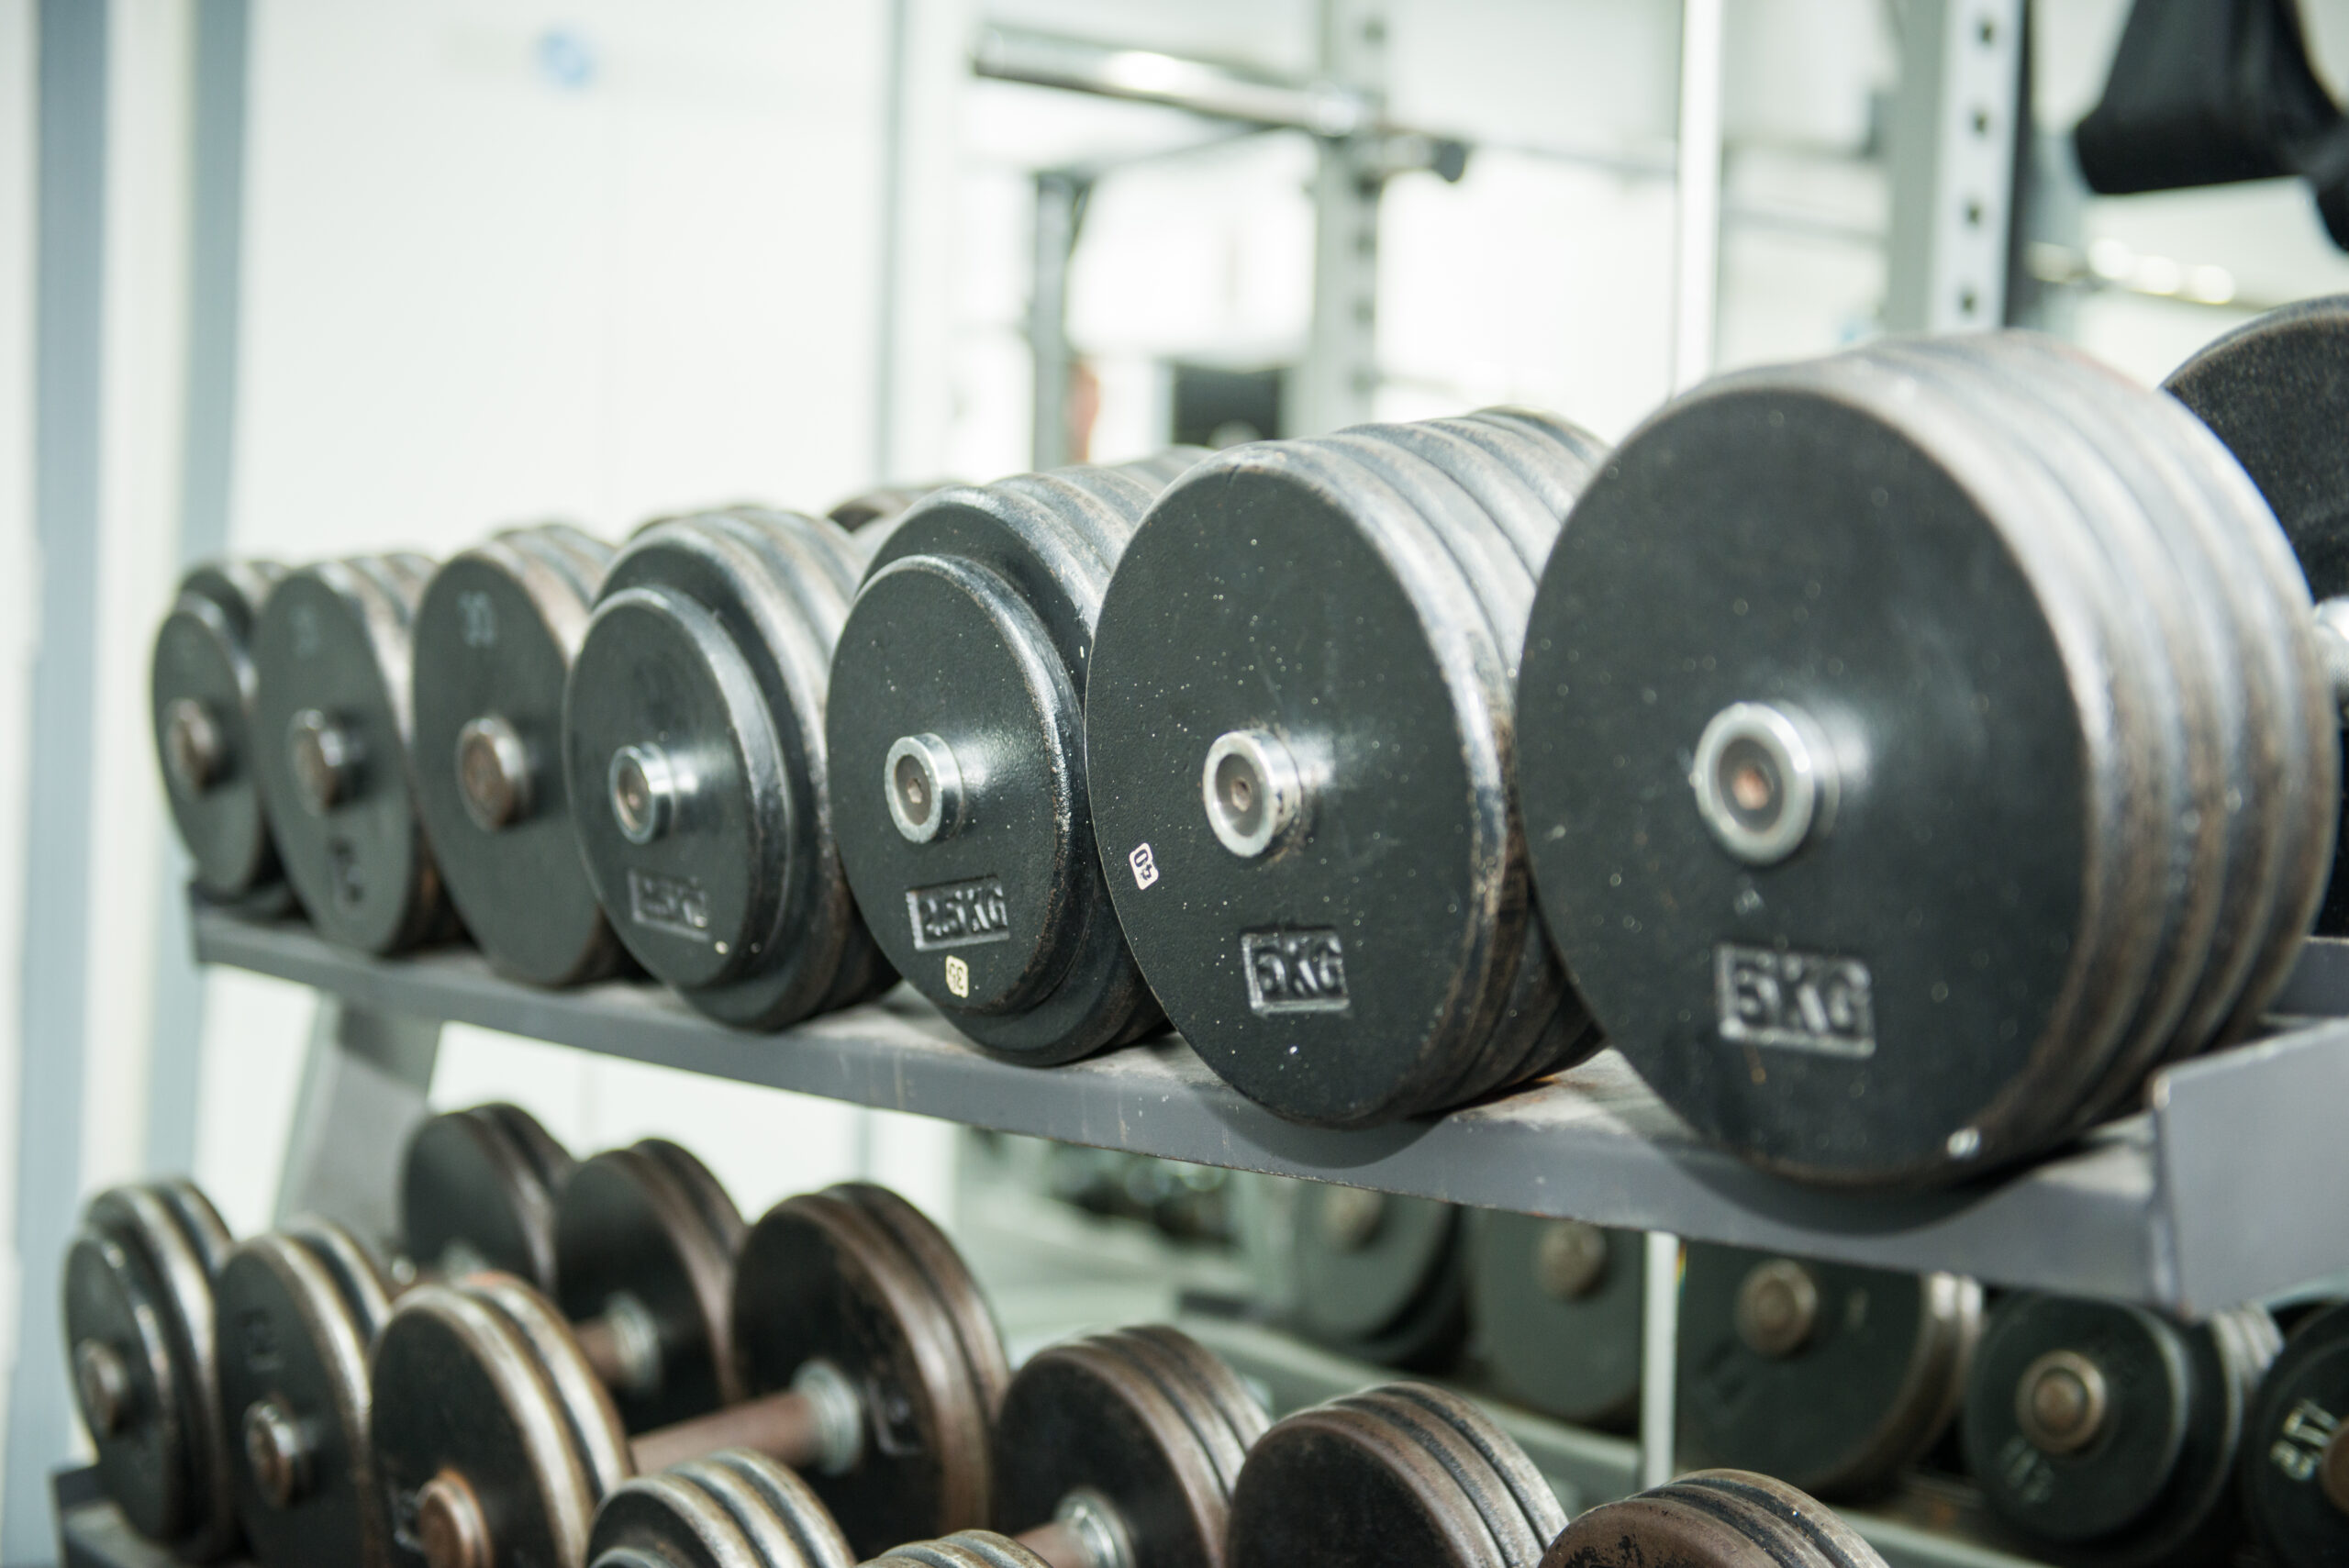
x: 958, y: 776
x: 1713, y: 1518
x: 694, y: 745
x: 495, y: 635
x: 2276, y: 391
x: 332, y: 719
x: 1300, y: 733
x: 1918, y: 747
x: 1556, y: 1308
x: 203, y: 689
x: 734, y: 1508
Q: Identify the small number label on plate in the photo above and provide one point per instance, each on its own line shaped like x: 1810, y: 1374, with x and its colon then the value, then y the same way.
x: 1294, y: 972
x: 1144, y: 864
x: 958, y: 976
x: 1805, y: 1001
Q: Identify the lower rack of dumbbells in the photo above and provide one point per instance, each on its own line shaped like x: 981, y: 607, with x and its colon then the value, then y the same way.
x: 2174, y: 1207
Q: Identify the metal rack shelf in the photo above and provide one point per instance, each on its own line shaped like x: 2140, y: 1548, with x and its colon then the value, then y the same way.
x: 2178, y: 1208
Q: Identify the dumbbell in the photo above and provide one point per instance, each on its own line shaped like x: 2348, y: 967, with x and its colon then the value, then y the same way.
x: 2276, y: 391
x: 2295, y: 1466
x: 1376, y: 1276
x: 202, y: 691
x: 1297, y: 735
x: 1828, y: 1377
x: 867, y: 1355
x: 694, y: 750
x: 958, y: 775
x: 1919, y: 746
x: 1406, y: 1473
x: 495, y: 634
x: 139, y: 1343
x: 2110, y: 1434
x: 1555, y: 1306
x: 332, y: 718
x: 298, y: 1311
x: 1713, y: 1518
x: 1114, y: 1451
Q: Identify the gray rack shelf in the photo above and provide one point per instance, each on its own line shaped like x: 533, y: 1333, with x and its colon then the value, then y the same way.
x: 2178, y: 1208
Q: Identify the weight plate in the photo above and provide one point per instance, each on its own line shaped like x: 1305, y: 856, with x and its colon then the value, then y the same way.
x: 471, y: 1443
x: 1341, y: 1487
x: 494, y: 638
x: 733, y: 1509
x: 1816, y: 1013
x: 947, y: 1277
x: 549, y: 1158
x: 332, y: 722
x: 1716, y: 1518
x: 1517, y: 1504
x: 1797, y: 1523
x: 2295, y: 1468
x: 1084, y: 1423
x: 140, y: 1348
x: 957, y: 765
x: 577, y: 1396
x: 296, y: 1315
x: 1284, y: 601
x: 634, y: 1232
x: 2195, y: 705
x: 1226, y: 1416
x: 471, y: 1197
x: 2109, y: 1430
x: 1827, y: 1376
x: 694, y: 721
x: 1379, y: 1276
x: 202, y: 696
x: 965, y: 1549
x: 1556, y: 1308
x: 820, y: 1279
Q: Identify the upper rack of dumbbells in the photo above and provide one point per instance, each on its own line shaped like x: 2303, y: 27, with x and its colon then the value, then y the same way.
x: 2184, y: 1206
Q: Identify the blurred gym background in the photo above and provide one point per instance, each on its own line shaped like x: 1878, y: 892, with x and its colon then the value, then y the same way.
x: 305, y: 277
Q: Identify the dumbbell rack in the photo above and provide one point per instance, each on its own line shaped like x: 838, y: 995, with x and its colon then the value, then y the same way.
x: 2175, y: 1207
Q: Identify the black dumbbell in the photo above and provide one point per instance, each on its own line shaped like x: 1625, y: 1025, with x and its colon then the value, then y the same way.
x: 141, y: 1344
x: 1297, y: 737
x: 1114, y: 1451
x: 1555, y: 1309
x: 1877, y: 882
x: 694, y: 750
x: 1406, y: 1473
x: 1828, y: 1377
x: 202, y: 693
x: 1712, y: 1519
x: 2110, y: 1434
x: 494, y: 638
x: 298, y: 1311
x: 2276, y: 391
x: 331, y: 725
x: 2295, y: 1467
x: 958, y: 774
x: 1376, y: 1276
x: 869, y: 1359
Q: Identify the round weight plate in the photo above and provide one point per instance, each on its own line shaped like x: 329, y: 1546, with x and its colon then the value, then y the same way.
x: 694, y: 748
x: 964, y: 1548
x: 1818, y: 1014
x: 461, y: 1402
x: 2195, y: 698
x: 1380, y: 1277
x: 549, y: 1158
x: 1714, y: 1518
x: 1084, y: 1418
x: 495, y: 637
x: 666, y: 1520
x: 1227, y: 1417
x: 630, y: 1224
x: 1556, y: 1308
x: 947, y: 1279
x: 2129, y: 1425
x: 819, y: 1279
x: 1798, y: 1526
x: 1340, y: 1487
x: 984, y: 884
x: 1352, y: 969
x: 330, y: 737
x: 1517, y: 1504
x: 202, y: 696
x: 1827, y: 1376
x: 471, y: 1197
x: 787, y: 1522
x: 294, y: 1388
x: 2295, y: 1461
